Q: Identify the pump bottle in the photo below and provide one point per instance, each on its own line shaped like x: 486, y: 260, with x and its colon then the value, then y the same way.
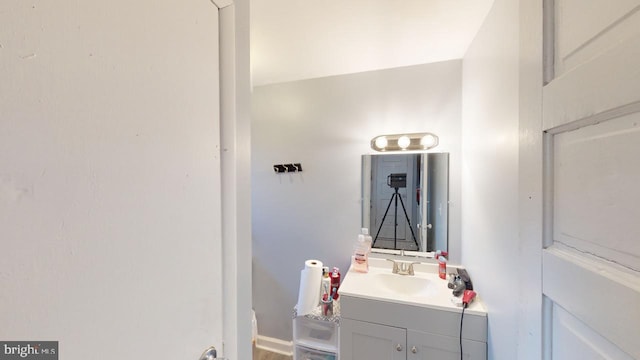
x: 360, y: 257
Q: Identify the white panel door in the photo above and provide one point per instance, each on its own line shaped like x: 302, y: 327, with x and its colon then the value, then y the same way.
x: 591, y: 115
x: 110, y: 200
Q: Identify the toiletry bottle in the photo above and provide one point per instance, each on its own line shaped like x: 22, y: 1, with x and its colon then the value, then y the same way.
x: 325, y: 285
x: 368, y: 240
x: 442, y: 267
x: 335, y: 282
x: 360, y: 257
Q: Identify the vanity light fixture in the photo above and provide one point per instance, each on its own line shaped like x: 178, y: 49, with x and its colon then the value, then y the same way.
x: 402, y: 142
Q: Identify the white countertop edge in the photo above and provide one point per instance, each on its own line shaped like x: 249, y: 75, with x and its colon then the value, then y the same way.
x: 475, y: 308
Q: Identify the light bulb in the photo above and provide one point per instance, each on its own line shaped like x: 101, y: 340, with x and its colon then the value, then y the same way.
x: 381, y: 142
x: 404, y: 142
x: 428, y: 141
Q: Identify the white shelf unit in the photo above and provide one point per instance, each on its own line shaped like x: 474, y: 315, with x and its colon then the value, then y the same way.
x: 303, y: 353
x: 316, y: 337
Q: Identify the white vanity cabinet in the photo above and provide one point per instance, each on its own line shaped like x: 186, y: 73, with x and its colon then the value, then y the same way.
x: 365, y: 341
x: 381, y: 330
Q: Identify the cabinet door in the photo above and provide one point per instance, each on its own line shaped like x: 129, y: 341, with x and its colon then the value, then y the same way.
x: 361, y: 340
x: 423, y: 346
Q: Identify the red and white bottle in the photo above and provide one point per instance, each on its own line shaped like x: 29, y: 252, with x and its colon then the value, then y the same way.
x: 335, y: 282
x: 442, y: 267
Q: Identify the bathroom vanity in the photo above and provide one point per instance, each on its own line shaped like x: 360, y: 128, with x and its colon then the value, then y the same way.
x: 389, y: 316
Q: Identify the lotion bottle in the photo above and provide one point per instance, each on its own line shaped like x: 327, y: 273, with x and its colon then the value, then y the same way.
x: 368, y: 240
x: 360, y: 257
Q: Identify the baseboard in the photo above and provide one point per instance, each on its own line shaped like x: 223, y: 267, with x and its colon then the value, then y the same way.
x: 275, y: 345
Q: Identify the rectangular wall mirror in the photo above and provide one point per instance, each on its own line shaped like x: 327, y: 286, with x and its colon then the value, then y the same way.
x: 405, y: 200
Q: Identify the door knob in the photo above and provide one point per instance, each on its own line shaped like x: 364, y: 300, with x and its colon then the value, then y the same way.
x: 414, y: 350
x: 399, y: 347
x: 209, y: 353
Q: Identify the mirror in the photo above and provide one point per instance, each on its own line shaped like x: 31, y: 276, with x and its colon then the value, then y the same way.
x: 405, y: 200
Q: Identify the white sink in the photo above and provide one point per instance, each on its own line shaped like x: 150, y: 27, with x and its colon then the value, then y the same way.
x: 424, y: 288
x: 409, y: 285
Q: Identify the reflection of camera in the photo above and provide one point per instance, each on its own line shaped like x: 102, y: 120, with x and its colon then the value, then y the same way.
x: 397, y: 180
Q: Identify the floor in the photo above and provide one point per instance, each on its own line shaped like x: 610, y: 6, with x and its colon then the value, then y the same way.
x: 259, y: 354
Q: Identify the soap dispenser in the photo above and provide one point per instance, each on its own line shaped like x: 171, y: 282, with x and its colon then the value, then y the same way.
x: 368, y: 240
x: 360, y: 257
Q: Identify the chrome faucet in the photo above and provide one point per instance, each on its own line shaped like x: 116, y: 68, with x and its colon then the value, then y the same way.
x: 403, y: 268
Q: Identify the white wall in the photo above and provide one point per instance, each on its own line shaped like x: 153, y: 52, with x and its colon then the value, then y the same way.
x: 109, y: 177
x: 490, y: 165
x: 326, y: 124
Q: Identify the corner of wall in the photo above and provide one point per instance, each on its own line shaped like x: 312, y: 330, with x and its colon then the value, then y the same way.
x: 236, y: 175
x: 490, y: 165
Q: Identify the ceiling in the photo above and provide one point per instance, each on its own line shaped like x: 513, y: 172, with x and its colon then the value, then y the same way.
x: 297, y: 39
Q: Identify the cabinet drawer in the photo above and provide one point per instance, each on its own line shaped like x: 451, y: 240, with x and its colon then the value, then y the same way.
x: 303, y: 353
x: 316, y: 334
